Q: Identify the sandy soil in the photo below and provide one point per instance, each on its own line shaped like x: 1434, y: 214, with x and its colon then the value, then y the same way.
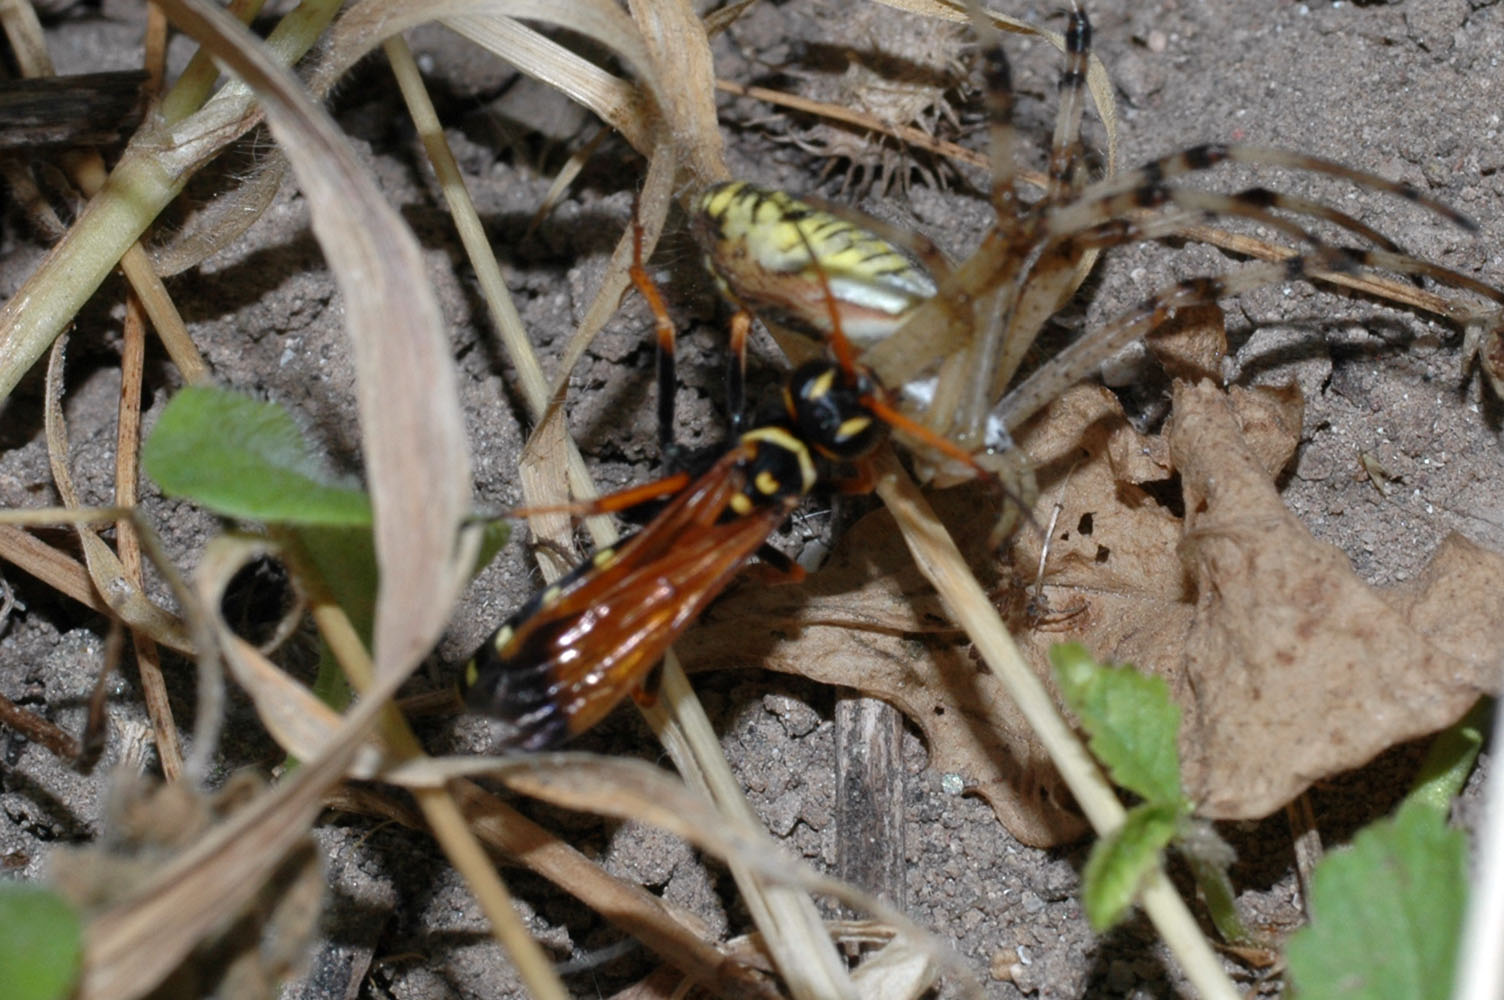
x: 1410, y: 90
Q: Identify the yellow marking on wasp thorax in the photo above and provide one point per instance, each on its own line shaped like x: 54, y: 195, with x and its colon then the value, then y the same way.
x: 741, y: 504
x: 767, y: 484
x: 853, y: 427
x: 502, y: 637
x: 820, y: 387
x: 603, y: 558
x: 472, y: 674
x: 549, y: 597
x: 779, y: 437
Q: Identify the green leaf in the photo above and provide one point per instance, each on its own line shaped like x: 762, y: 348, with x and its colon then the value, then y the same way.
x: 345, y: 560
x: 1130, y: 720
x: 1450, y: 759
x: 1386, y: 913
x: 1120, y: 861
x: 245, y: 459
x: 493, y: 537
x: 41, y: 943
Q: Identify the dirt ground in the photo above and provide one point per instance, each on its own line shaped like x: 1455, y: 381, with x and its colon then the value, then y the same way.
x: 1409, y: 90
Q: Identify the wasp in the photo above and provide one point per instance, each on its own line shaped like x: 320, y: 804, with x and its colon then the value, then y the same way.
x: 582, y: 644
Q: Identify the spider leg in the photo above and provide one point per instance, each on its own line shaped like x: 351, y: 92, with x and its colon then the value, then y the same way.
x: 1128, y: 216
x: 998, y: 348
x: 1065, y: 170
x: 992, y: 346
x: 966, y: 382
x: 1053, y: 270
x: 1081, y: 359
x: 997, y: 77
x: 1153, y: 175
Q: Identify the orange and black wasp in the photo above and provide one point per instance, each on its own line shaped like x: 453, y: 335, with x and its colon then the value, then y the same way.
x: 579, y: 646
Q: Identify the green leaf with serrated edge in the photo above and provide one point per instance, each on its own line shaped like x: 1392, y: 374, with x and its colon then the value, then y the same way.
x: 245, y: 459
x: 1130, y: 720
x: 1120, y: 861
x: 1386, y: 913
x: 41, y: 943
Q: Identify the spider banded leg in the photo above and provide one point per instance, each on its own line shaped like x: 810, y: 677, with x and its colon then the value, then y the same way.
x: 1103, y: 216
x: 962, y: 386
x: 1037, y: 297
x: 1110, y: 204
x: 1247, y: 204
x: 1066, y: 171
x: 1081, y: 359
x: 994, y: 346
x: 1127, y: 221
x: 1154, y: 174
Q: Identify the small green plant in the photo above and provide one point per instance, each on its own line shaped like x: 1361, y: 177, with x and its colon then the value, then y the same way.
x: 41, y: 943
x: 248, y: 460
x: 1132, y: 727
x: 1400, y: 883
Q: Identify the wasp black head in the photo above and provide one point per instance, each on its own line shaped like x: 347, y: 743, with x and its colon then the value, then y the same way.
x: 825, y: 403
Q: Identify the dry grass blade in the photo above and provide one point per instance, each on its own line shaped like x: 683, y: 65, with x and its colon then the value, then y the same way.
x: 153, y: 170
x: 366, y: 25
x: 674, y: 933
x: 631, y: 789
x: 108, y: 574
x: 412, y: 432
x: 685, y: 77
x: 615, y: 100
x: 131, y: 947
x: 56, y: 569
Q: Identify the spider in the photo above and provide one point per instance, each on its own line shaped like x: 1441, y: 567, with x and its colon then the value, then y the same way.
x: 955, y: 336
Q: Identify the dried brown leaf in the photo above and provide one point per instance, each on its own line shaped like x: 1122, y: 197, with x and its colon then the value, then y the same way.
x: 1289, y: 668
x: 1294, y: 668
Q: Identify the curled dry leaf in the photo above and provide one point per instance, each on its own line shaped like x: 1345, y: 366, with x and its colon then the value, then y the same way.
x: 1295, y: 669
x: 1288, y: 667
